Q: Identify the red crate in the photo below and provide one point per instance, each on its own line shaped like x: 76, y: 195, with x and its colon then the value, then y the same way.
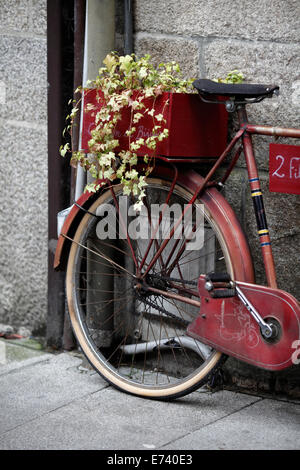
x: 196, y: 129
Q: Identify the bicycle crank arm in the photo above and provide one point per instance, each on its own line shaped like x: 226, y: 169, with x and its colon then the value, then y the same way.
x: 266, y: 329
x: 176, y: 342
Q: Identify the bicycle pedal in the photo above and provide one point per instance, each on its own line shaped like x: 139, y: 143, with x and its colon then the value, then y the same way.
x: 220, y: 285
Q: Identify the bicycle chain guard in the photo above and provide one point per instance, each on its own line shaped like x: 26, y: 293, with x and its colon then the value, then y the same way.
x: 226, y: 325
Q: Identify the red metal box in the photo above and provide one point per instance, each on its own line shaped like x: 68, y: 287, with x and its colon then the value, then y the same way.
x: 196, y: 129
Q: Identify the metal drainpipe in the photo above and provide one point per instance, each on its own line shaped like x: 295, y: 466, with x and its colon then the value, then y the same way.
x: 79, y: 32
x: 94, y: 38
x: 128, y: 27
x: 99, y: 26
x: 99, y: 41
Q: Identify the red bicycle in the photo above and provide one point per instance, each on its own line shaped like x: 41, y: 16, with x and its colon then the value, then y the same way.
x: 158, y: 306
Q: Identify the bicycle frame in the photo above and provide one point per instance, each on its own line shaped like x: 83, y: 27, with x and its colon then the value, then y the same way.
x: 244, y: 134
x: 256, y: 193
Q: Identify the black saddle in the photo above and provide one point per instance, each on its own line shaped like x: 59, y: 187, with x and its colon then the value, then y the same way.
x: 239, y: 91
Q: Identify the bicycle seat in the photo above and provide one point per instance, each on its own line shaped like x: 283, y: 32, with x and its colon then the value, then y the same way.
x: 234, y: 90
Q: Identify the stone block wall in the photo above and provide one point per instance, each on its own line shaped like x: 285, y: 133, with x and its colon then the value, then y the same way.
x: 261, y: 38
x: 23, y: 163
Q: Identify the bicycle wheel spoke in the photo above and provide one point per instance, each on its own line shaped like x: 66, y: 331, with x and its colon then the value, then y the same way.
x: 101, y: 256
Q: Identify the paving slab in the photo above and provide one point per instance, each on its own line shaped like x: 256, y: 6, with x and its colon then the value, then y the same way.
x: 57, y: 402
x: 264, y: 425
x: 40, y: 385
x: 109, y: 419
x: 20, y: 353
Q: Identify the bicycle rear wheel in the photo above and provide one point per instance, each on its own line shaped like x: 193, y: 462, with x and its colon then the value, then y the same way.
x: 125, y: 295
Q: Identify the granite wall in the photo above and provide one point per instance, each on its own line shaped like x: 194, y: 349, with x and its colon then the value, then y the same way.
x: 23, y: 163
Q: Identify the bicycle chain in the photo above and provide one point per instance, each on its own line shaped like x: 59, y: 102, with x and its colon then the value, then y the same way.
x: 173, y: 279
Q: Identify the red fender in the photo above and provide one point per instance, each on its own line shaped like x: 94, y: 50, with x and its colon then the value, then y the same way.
x: 69, y: 228
x: 236, y: 242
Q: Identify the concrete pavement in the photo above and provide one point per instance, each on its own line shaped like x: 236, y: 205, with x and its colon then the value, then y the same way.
x: 56, y: 402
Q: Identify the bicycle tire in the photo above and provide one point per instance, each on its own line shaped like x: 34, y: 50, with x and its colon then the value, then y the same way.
x: 99, y: 356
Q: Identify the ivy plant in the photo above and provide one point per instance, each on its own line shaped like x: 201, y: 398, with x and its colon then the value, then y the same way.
x: 127, y: 82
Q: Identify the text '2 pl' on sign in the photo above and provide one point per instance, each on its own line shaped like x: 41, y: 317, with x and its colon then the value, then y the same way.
x: 284, y: 168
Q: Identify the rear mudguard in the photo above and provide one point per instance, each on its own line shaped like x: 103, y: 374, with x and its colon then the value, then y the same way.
x: 220, y: 209
x: 226, y: 325
x: 69, y: 228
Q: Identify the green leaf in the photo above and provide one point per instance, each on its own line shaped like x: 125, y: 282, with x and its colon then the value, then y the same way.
x: 126, y: 63
x: 63, y: 149
x: 110, y: 61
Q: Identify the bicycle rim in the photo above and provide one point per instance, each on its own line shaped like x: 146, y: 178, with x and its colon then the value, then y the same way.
x: 135, y: 337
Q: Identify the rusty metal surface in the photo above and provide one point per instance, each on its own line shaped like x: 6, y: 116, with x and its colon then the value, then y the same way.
x: 273, y: 131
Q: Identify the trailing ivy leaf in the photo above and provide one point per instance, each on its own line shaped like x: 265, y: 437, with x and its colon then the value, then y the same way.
x: 110, y: 62
x: 64, y: 149
x: 126, y: 63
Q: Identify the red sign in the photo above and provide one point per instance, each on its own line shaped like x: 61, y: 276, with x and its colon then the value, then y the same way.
x: 284, y: 168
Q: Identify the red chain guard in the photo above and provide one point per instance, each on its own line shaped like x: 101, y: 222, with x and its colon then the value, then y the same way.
x: 227, y: 325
